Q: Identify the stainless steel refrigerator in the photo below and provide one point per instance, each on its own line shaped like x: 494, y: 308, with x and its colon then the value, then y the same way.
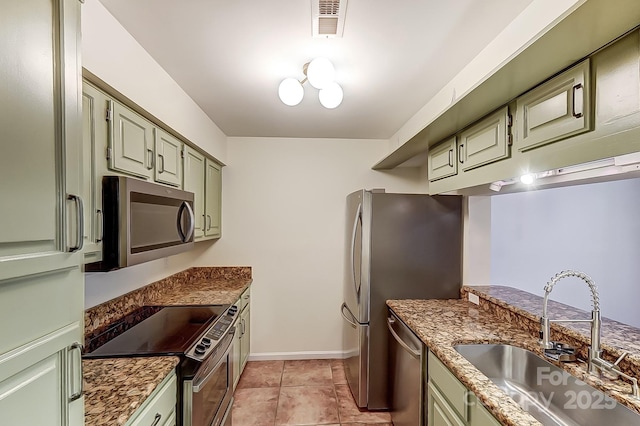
x: 398, y: 246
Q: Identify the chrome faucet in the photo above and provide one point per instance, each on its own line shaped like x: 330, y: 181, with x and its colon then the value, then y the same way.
x: 594, y: 360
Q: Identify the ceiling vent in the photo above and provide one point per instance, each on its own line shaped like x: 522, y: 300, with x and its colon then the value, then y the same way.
x: 328, y: 17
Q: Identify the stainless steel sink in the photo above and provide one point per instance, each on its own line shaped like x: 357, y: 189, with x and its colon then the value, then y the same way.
x: 548, y: 393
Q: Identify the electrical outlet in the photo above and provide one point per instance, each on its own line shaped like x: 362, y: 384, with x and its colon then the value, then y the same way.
x: 473, y: 298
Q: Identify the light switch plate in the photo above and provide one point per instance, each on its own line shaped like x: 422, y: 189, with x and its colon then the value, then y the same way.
x: 473, y: 298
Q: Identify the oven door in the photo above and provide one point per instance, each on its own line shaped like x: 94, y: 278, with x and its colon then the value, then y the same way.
x: 208, y: 395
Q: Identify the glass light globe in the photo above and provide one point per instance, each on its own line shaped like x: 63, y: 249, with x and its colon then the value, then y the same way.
x: 290, y: 91
x: 331, y: 95
x: 320, y: 72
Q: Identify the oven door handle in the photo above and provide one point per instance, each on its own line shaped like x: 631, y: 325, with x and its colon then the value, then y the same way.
x: 200, y: 383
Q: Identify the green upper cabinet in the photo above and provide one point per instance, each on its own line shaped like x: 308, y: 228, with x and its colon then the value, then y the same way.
x: 194, y: 172
x: 617, y: 74
x: 486, y: 141
x: 94, y: 141
x: 168, y: 158
x: 40, y: 173
x: 41, y: 232
x: 442, y: 160
x: 556, y: 109
x: 130, y: 142
x: 213, y: 200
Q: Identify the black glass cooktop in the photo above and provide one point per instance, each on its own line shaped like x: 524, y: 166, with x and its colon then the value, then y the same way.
x: 171, y: 330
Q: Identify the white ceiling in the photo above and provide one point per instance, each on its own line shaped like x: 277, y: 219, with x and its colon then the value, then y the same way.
x: 230, y: 57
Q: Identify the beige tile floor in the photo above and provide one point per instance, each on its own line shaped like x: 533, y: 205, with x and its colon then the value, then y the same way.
x: 309, y: 392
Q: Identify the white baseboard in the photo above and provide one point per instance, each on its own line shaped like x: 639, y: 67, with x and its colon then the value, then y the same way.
x: 277, y: 356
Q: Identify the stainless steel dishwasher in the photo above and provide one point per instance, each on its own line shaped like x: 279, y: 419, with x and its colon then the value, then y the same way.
x: 407, y: 374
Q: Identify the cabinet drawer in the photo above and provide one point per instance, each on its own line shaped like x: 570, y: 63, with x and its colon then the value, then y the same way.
x: 171, y: 421
x: 440, y: 412
x: 555, y: 110
x: 449, y: 386
x: 162, y: 403
x: 486, y: 141
x: 442, y: 160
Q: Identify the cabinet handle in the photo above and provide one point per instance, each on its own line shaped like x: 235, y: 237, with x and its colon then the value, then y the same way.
x: 460, y: 151
x: 161, y: 163
x: 151, y: 158
x: 100, y: 219
x: 80, y: 223
x: 156, y: 419
x: 208, y: 222
x: 77, y: 346
x: 450, y: 158
x: 576, y: 114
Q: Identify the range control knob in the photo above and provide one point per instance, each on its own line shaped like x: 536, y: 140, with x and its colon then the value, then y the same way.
x: 206, y: 342
x: 233, y: 309
x: 200, y: 349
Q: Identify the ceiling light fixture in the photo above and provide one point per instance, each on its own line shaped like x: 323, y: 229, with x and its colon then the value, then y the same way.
x: 320, y: 74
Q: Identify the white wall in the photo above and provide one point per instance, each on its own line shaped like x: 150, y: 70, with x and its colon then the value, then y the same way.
x: 112, y: 54
x: 103, y: 286
x: 525, y: 28
x: 284, y: 214
x: 591, y: 228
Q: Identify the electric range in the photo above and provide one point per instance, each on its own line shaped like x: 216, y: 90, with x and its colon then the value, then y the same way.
x: 201, y: 336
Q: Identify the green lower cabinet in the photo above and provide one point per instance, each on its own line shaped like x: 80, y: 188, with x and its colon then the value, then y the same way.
x: 440, y: 412
x: 450, y: 403
x: 479, y: 415
x: 159, y: 409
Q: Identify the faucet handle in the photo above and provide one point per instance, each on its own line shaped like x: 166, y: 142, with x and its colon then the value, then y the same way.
x: 624, y: 354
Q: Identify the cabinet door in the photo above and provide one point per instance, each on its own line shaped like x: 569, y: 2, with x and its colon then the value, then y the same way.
x: 236, y: 348
x: 41, y: 236
x: 40, y: 121
x: 442, y: 160
x: 130, y: 142
x: 168, y: 158
x: 93, y: 129
x: 617, y: 76
x: 46, y: 374
x: 39, y: 386
x: 194, y: 172
x: 485, y: 142
x: 555, y: 110
x: 213, y: 200
x: 439, y: 411
x: 480, y: 416
x: 245, y: 339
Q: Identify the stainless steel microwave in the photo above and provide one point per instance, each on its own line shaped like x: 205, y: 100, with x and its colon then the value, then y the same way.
x: 143, y: 221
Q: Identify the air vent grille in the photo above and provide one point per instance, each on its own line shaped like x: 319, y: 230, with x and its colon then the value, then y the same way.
x: 327, y: 26
x: 329, y: 7
x: 327, y: 17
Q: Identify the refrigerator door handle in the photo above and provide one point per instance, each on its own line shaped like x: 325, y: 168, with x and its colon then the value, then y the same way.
x: 351, y: 320
x: 357, y: 219
x: 413, y: 352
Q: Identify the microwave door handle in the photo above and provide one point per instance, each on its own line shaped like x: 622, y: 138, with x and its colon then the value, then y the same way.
x: 192, y: 221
